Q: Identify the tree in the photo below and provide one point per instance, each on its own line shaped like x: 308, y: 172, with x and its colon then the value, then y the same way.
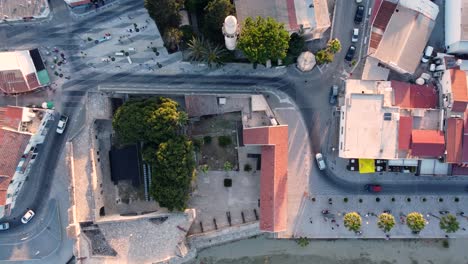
x: 449, y: 223
x: 415, y: 221
x: 352, y: 221
x: 263, y: 39
x: 214, y: 55
x: 224, y: 141
x: 296, y: 45
x: 302, y: 241
x: 323, y: 57
x: 196, y: 49
x: 172, y: 38
x: 174, y: 173
x: 215, y: 13
x: 334, y: 46
x: 165, y: 13
x: 227, y: 166
x: 386, y: 222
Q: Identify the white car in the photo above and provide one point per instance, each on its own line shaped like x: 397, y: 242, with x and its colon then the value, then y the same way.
x: 27, y: 216
x: 355, y: 36
x: 4, y: 226
x: 427, y: 54
x: 320, y: 161
x: 62, y: 124
x: 358, y: 1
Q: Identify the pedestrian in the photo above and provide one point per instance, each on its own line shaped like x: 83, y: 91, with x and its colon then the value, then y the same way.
x: 464, y: 229
x: 333, y: 220
x: 333, y: 228
x: 337, y: 225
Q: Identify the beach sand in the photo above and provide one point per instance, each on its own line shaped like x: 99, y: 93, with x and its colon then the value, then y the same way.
x: 267, y: 251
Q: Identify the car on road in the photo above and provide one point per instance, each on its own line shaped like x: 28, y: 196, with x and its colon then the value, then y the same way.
x: 359, y: 14
x: 427, y: 54
x: 27, y: 216
x: 105, y: 38
x: 62, y: 124
x: 333, y: 94
x: 320, y: 161
x: 4, y: 226
x: 350, y: 53
x: 374, y: 188
x: 358, y: 1
x: 355, y: 36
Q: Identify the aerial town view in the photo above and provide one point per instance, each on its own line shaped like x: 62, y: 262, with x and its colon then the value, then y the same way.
x: 234, y: 131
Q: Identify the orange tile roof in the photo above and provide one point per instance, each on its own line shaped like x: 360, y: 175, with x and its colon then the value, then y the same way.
x: 12, y: 146
x: 454, y: 136
x: 414, y: 96
x: 274, y: 174
x: 11, y: 117
x: 459, y: 90
x: 404, y: 132
x: 427, y: 143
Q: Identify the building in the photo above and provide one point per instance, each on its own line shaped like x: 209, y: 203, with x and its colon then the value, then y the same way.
x: 456, y: 26
x: 400, y: 31
x: 78, y: 4
x: 22, y: 71
x: 21, y: 130
x: 403, y: 125
x: 310, y: 16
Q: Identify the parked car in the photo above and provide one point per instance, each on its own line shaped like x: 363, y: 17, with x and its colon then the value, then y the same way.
x: 333, y: 94
x: 320, y: 161
x: 62, y: 124
x: 359, y: 14
x: 355, y: 36
x: 350, y: 54
x: 4, y: 226
x: 105, y: 38
x: 427, y: 54
x: 374, y: 188
x: 27, y: 216
x: 358, y: 1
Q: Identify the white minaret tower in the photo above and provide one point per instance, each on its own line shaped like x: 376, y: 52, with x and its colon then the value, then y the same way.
x: 230, y: 32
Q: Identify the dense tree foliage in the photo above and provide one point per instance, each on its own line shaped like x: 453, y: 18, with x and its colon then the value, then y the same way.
x: 165, y: 13
x: 449, y: 223
x: 172, y: 37
x: 202, y: 50
x: 352, y: 221
x: 157, y: 123
x: 174, y: 170
x: 415, y: 221
x: 386, y: 222
x: 263, y: 39
x: 215, y: 13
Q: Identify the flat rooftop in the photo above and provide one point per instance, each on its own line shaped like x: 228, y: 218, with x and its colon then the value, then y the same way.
x: 17, y: 9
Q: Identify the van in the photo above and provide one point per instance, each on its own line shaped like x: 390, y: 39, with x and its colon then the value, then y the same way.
x: 427, y: 54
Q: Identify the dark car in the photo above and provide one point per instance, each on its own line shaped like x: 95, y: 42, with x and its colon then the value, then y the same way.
x: 374, y: 188
x: 359, y: 14
x: 333, y: 94
x: 350, y: 54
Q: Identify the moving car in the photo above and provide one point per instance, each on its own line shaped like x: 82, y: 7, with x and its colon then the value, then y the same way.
x: 27, y: 216
x: 62, y: 124
x: 4, y: 226
x: 320, y: 161
x: 427, y: 54
x: 355, y: 36
x: 375, y: 188
x: 359, y: 14
x: 333, y: 94
x: 350, y: 54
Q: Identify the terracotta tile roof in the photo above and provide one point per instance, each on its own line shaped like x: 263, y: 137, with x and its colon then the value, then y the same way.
x: 380, y: 19
x: 13, y: 82
x: 459, y: 90
x: 32, y: 81
x: 408, y: 95
x: 4, y: 183
x: 404, y: 132
x: 12, y: 146
x: 465, y: 138
x: 292, y: 15
x: 274, y: 174
x: 11, y: 117
x: 427, y: 143
x: 454, y: 136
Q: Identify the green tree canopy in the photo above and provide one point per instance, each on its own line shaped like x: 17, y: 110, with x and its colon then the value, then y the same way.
x: 415, y: 221
x: 334, y: 46
x: 172, y: 37
x: 165, y: 13
x: 263, y: 39
x: 175, y: 171
x: 215, y: 13
x: 296, y: 45
x: 449, y: 223
x: 352, y: 221
x: 323, y: 57
x: 386, y: 222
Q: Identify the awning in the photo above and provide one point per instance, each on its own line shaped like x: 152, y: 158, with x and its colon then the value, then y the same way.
x: 366, y: 166
x: 403, y: 162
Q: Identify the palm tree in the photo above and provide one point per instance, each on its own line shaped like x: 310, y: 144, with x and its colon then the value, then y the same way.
x: 172, y: 37
x: 196, y: 47
x: 352, y: 221
x: 416, y: 222
x: 449, y: 223
x: 214, y: 55
x: 386, y: 222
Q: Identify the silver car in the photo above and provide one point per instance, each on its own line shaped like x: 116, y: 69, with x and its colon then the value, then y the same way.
x: 4, y: 226
x: 320, y: 161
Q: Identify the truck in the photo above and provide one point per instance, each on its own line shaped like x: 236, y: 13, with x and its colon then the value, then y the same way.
x: 62, y: 124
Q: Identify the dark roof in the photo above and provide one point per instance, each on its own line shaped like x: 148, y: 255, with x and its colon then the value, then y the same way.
x: 37, y: 59
x: 427, y: 143
x: 454, y: 136
x: 408, y: 95
x: 125, y: 164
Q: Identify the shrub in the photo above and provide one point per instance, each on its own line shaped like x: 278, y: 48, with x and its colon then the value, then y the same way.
x: 445, y: 243
x: 207, y: 139
x: 227, y: 166
x: 197, y: 144
x: 224, y: 141
x: 449, y: 223
x: 247, y: 167
x: 302, y: 241
x: 352, y: 221
x: 416, y: 222
x: 386, y: 222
